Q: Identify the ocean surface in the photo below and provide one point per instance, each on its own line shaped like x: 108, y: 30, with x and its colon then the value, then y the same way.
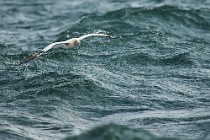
x: 151, y: 82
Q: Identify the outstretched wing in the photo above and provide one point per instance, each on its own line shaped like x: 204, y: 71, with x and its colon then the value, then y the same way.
x: 33, y: 56
x: 89, y: 35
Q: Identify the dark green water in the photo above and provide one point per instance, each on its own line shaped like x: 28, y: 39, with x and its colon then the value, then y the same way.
x: 155, y: 75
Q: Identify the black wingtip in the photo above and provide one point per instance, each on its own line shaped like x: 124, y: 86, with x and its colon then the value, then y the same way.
x: 111, y: 36
x: 31, y: 57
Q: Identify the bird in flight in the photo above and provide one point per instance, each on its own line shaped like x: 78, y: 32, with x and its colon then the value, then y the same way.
x: 70, y: 43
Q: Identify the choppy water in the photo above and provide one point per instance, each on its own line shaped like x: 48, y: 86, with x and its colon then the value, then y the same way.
x: 155, y: 75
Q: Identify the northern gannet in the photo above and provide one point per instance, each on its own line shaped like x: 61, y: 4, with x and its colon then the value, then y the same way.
x: 70, y: 43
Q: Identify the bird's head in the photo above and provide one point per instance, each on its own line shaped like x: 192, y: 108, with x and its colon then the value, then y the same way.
x: 73, y: 42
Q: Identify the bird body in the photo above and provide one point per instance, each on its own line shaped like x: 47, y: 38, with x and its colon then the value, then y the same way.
x: 70, y: 43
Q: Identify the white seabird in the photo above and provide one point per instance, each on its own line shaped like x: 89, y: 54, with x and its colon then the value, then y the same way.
x: 70, y: 43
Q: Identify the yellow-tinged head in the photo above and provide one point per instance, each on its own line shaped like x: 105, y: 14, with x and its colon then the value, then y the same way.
x: 72, y: 43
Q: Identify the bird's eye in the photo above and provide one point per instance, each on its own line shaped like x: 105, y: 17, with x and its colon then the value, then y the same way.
x: 76, y: 42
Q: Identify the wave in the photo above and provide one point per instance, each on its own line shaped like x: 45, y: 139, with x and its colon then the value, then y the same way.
x: 149, y: 59
x: 177, y: 20
x: 112, y: 131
